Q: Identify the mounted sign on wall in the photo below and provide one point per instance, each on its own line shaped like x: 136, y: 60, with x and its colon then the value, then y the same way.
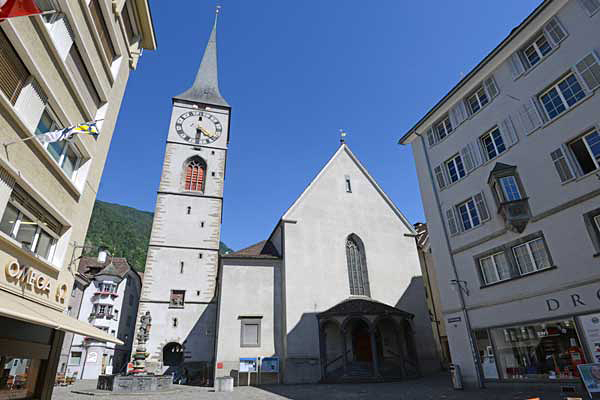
x: 34, y: 281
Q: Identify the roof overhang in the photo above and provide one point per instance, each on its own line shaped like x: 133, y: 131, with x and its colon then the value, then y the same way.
x: 146, y: 25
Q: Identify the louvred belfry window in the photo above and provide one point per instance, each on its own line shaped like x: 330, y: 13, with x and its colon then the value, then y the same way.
x: 194, y: 176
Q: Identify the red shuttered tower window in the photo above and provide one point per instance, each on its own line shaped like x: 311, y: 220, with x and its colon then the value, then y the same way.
x: 194, y: 176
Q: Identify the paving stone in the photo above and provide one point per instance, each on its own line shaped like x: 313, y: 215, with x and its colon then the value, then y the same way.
x: 428, y: 388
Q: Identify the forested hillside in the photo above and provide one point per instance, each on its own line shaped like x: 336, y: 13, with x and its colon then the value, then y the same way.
x: 125, y: 231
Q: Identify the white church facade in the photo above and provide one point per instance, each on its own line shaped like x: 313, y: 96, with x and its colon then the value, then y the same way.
x: 335, y: 292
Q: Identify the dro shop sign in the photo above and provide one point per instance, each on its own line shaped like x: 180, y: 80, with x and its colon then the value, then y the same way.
x: 573, y: 300
x: 30, y: 279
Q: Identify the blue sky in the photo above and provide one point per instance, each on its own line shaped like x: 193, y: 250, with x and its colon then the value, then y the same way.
x: 295, y: 72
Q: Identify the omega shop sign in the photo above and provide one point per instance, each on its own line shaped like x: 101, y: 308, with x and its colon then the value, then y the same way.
x: 34, y: 281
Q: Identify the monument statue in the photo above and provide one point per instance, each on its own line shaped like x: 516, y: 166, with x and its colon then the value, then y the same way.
x: 140, y: 355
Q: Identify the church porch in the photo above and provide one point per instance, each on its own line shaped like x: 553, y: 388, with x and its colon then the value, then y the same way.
x: 362, y: 340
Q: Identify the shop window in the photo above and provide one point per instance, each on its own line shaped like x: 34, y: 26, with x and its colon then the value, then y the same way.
x: 250, y: 332
x: 540, y: 351
x: 18, y: 377
x: 486, y: 354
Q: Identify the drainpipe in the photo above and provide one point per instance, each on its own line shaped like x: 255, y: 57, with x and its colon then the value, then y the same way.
x: 455, y: 272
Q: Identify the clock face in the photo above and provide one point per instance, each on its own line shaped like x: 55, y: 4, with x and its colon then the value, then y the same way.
x: 198, y: 127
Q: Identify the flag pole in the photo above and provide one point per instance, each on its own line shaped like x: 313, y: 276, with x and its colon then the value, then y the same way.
x: 34, y: 135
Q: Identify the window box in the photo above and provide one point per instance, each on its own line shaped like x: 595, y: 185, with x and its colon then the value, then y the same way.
x: 508, y: 193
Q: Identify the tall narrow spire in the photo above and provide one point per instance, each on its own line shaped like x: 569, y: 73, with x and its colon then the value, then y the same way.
x: 206, y: 86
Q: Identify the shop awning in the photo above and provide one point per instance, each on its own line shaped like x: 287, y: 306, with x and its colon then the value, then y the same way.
x: 16, y: 307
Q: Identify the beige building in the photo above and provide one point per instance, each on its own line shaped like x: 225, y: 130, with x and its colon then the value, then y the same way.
x: 432, y: 293
x: 56, y: 70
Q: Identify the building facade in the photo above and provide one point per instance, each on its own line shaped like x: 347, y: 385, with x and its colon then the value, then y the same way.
x: 432, y: 294
x: 57, y: 70
x: 181, y: 267
x: 335, y: 293
x: 508, y: 166
x: 109, y: 302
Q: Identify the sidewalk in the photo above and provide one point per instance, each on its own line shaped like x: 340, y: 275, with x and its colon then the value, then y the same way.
x: 429, y: 388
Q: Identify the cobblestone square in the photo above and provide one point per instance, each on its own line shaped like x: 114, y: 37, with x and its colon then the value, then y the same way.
x: 429, y: 388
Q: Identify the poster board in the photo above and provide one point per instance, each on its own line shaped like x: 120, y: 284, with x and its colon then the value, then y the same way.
x: 590, y: 375
x: 247, y: 364
x: 590, y: 325
x: 270, y: 364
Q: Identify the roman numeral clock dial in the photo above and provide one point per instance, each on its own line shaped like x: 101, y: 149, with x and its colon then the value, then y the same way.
x: 198, y: 127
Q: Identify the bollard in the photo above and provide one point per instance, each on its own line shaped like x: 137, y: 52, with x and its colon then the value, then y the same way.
x: 224, y: 384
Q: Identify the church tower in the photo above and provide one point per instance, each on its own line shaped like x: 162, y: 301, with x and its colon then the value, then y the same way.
x: 181, y: 268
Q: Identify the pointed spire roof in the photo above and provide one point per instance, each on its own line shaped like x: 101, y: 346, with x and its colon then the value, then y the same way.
x: 206, y: 86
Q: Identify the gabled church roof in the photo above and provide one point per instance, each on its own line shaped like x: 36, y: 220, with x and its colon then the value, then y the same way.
x: 345, y: 149
x: 206, y: 86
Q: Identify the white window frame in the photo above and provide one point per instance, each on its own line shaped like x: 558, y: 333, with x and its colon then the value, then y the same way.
x: 68, y: 145
x: 476, y: 92
x: 489, y: 133
x: 13, y: 234
x: 504, y: 193
x: 531, y: 257
x: 459, y: 215
x: 536, y: 48
x: 492, y: 257
x: 560, y: 95
x: 446, y: 126
x: 587, y: 147
x: 453, y: 161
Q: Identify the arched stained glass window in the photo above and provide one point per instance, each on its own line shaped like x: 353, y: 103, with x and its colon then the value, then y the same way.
x: 195, y: 172
x: 357, y: 267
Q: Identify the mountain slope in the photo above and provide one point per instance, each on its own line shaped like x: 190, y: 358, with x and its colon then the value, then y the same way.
x: 125, y: 231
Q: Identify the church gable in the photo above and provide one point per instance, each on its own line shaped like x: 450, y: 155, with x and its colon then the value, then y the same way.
x: 343, y: 183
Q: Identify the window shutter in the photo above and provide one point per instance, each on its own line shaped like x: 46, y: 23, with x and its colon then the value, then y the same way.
x: 431, y: 139
x: 509, y: 132
x: 31, y: 104
x: 467, y: 157
x: 62, y: 35
x: 529, y: 117
x: 451, y: 219
x: 516, y: 66
x: 13, y: 73
x: 589, y: 70
x: 459, y: 113
x: 591, y: 6
x: 555, y: 31
x: 439, y: 176
x: 476, y: 153
x: 481, y: 207
x: 562, y: 165
x: 490, y: 87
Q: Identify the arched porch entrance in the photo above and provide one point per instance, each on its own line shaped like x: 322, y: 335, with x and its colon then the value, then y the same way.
x: 364, y: 340
x: 172, y: 354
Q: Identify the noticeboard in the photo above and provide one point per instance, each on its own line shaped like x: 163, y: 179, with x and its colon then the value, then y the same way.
x: 269, y: 364
x: 247, y: 364
x: 590, y: 375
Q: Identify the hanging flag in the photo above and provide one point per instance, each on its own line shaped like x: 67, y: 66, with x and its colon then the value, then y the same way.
x: 18, y: 8
x: 87, y: 128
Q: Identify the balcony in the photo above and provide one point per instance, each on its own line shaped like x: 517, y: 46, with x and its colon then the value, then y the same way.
x: 104, y: 315
x: 516, y: 214
x: 105, y: 293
